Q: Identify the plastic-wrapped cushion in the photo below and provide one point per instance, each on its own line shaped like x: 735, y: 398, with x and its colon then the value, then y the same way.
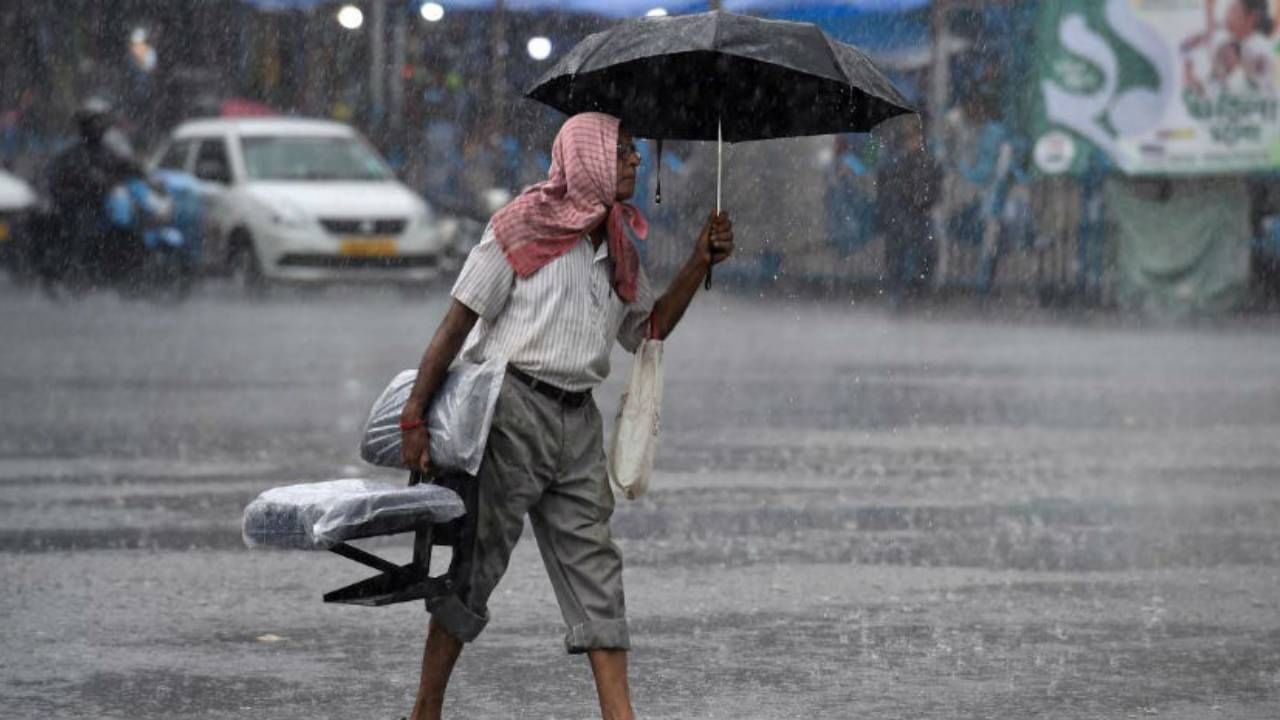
x: 317, y: 516
x: 458, y: 419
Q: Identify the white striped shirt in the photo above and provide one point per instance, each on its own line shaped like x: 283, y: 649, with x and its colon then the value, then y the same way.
x: 559, y: 323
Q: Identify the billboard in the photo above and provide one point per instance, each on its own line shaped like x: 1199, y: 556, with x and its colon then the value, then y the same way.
x: 1163, y: 87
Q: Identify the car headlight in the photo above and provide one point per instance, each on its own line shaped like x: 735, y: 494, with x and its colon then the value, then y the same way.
x: 288, y: 216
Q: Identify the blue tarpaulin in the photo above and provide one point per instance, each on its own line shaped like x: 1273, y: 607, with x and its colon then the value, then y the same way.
x: 869, y: 30
x: 285, y: 4
x: 609, y: 8
x: 798, y: 9
x: 636, y: 8
x: 872, y: 25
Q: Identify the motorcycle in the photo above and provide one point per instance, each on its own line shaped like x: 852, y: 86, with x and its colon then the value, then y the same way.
x: 140, y: 244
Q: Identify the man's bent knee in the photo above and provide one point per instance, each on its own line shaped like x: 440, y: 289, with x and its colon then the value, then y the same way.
x: 455, y: 618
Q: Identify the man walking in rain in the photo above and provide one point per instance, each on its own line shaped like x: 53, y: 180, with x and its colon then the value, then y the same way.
x: 554, y: 281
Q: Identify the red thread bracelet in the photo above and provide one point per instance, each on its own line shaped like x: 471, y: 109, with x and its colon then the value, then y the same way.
x: 414, y: 425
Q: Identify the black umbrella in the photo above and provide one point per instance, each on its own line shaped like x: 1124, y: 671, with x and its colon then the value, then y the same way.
x: 720, y: 76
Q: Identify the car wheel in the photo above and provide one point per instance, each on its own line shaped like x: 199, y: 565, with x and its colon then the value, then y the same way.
x: 245, y: 270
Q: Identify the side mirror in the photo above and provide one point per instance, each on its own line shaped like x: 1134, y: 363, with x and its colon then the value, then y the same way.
x: 213, y: 171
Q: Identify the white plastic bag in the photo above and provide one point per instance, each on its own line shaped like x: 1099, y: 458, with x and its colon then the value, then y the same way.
x: 458, y: 420
x: 635, y: 434
x: 317, y: 516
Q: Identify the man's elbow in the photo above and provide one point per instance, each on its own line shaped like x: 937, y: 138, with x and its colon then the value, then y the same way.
x: 459, y: 321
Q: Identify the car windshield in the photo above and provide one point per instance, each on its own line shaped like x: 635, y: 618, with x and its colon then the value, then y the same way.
x: 311, y: 158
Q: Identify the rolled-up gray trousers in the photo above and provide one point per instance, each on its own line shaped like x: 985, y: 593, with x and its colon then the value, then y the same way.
x: 544, y: 459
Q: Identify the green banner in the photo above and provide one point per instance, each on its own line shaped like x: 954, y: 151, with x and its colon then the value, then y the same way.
x: 1163, y: 87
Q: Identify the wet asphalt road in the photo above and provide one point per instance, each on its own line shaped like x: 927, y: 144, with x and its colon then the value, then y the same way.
x: 856, y: 515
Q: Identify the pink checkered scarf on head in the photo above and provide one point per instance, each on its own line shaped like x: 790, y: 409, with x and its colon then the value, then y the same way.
x: 550, y: 218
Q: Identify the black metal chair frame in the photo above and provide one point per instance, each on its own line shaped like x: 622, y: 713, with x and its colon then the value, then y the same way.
x: 395, y: 583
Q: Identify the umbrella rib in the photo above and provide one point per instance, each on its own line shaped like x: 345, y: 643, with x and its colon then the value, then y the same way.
x: 868, y: 91
x: 853, y: 89
x: 835, y: 60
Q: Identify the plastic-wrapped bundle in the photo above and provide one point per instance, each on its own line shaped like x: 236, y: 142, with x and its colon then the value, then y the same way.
x: 317, y: 516
x: 458, y: 419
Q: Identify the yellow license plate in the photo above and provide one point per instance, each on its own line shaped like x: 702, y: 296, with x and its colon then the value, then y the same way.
x: 4, y: 231
x: 368, y: 247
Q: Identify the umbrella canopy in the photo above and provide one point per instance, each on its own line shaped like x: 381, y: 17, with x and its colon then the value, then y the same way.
x: 721, y: 75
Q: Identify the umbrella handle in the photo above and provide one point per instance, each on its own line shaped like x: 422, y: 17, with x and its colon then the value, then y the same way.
x: 719, y: 170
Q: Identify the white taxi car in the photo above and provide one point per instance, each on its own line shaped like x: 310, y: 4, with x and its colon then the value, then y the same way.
x: 302, y: 200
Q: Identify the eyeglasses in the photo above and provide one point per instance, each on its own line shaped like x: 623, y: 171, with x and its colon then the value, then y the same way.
x: 626, y: 151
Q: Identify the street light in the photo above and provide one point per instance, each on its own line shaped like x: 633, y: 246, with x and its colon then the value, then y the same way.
x: 432, y: 11
x: 350, y: 17
x: 539, y: 48
x: 657, y: 12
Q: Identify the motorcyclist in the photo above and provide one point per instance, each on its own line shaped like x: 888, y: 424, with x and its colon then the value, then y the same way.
x: 80, y: 178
